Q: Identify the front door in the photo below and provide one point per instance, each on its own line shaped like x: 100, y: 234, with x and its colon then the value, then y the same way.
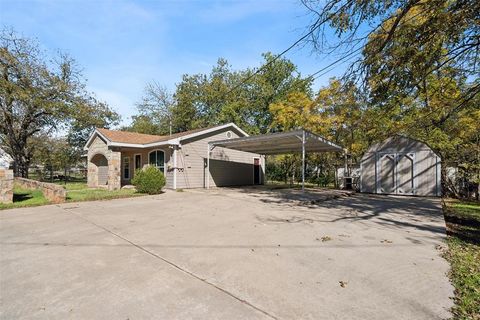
x: 256, y: 171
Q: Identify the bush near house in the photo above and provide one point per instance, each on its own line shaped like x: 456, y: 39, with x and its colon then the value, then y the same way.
x: 149, y: 180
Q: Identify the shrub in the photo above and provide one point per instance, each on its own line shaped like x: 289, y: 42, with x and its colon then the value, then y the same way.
x: 149, y: 180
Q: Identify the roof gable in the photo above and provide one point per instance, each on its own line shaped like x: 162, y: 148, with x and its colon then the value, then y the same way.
x: 398, y: 143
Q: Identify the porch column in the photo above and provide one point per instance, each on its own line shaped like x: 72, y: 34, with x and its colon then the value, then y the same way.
x: 114, y: 170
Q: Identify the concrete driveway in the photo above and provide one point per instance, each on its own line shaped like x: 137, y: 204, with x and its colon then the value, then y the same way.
x: 226, y: 254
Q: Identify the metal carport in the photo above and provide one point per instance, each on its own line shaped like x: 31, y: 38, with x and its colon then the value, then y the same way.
x: 298, y: 141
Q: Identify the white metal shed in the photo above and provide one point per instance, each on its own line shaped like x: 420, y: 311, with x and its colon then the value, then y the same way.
x: 401, y: 165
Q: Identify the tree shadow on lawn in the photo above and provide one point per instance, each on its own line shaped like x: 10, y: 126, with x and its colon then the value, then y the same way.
x: 464, y: 228
x: 22, y: 196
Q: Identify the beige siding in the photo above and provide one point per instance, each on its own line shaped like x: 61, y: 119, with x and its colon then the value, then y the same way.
x: 227, y: 167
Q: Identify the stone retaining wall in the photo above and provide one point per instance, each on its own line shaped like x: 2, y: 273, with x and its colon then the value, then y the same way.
x: 53, y: 192
x: 6, y: 186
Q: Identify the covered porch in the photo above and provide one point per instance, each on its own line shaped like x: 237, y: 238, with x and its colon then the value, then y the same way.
x: 115, y: 168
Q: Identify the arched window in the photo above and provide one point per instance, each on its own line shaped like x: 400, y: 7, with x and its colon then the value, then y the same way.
x: 156, y: 158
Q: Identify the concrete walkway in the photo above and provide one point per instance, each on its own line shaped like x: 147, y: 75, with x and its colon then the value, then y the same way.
x: 225, y: 254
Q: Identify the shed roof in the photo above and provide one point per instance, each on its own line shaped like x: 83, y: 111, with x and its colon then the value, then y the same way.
x: 279, y: 143
x: 398, y: 143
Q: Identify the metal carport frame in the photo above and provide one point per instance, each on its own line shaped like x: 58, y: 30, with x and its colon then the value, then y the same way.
x: 298, y: 141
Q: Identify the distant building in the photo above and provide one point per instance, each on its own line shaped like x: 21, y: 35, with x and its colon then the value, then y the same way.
x: 5, y: 160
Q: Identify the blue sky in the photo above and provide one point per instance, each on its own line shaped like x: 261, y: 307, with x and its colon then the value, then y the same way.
x: 122, y: 45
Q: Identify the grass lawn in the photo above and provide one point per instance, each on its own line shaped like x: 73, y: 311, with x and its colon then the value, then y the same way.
x: 76, y: 191
x: 25, y: 198
x: 463, y: 253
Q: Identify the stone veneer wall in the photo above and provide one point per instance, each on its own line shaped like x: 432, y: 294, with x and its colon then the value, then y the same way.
x: 6, y: 186
x: 114, y: 169
x: 53, y: 192
x: 99, y: 146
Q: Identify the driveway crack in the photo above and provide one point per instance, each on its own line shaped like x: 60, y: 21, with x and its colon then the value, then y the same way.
x: 176, y: 266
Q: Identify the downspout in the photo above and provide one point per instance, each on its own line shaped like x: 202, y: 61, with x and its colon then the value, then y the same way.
x: 174, y: 167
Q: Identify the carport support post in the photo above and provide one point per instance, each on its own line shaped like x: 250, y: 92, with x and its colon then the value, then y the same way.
x: 303, y: 161
x: 207, y: 174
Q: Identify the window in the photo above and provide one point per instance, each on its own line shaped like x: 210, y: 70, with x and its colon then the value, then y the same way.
x: 229, y: 134
x: 126, y: 168
x: 156, y: 158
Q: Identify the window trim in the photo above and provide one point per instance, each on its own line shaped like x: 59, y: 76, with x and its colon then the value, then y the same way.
x: 164, y: 163
x: 125, y: 177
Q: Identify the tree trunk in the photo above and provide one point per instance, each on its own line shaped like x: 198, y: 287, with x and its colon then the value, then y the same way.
x: 20, y: 167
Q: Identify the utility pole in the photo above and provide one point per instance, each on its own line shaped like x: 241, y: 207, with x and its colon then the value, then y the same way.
x: 303, y: 160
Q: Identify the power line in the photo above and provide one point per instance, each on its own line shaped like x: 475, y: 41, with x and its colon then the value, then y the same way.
x: 316, y: 74
x: 317, y: 25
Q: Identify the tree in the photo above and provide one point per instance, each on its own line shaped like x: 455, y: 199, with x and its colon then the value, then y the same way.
x: 416, y: 34
x: 241, y: 96
x: 296, y: 111
x: 37, y: 96
x: 277, y: 79
x: 154, y: 111
x: 142, y: 124
x: 54, y: 153
x: 418, y: 68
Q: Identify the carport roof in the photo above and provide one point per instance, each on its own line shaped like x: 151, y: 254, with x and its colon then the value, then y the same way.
x: 279, y: 143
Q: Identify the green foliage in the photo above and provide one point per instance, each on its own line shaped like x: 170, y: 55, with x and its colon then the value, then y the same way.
x: 418, y: 69
x: 143, y: 124
x: 149, y: 180
x: 38, y: 95
x: 222, y: 96
x: 402, y: 42
x: 154, y: 111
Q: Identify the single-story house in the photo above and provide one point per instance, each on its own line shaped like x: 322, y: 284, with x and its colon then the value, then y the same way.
x: 113, y: 157
x: 401, y: 165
